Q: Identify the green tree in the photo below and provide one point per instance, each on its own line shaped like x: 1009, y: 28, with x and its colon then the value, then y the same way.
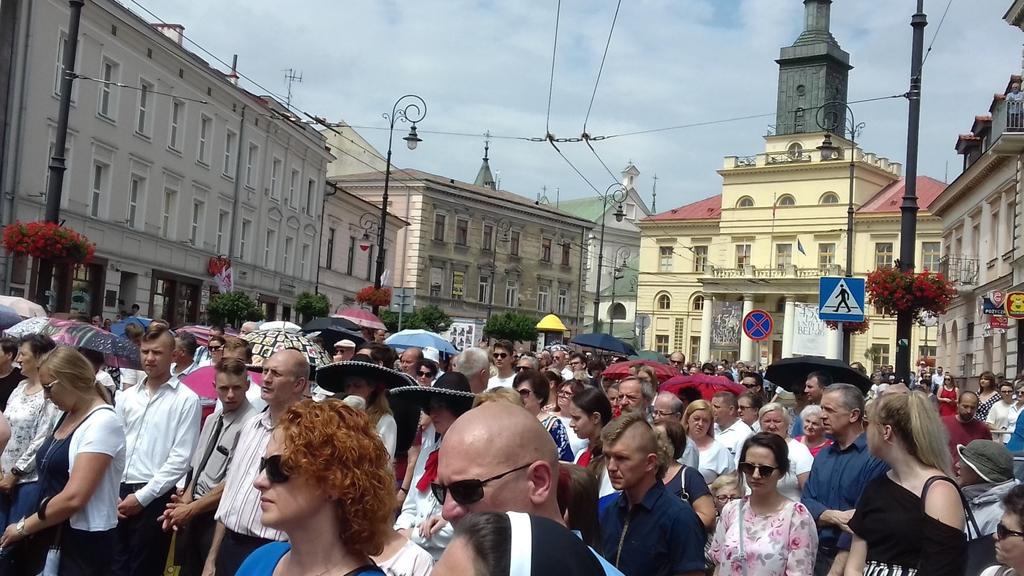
x: 511, y: 326
x: 430, y: 318
x: 311, y: 306
x: 389, y: 318
x: 233, y: 308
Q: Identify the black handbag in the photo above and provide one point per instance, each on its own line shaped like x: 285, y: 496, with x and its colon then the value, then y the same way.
x: 981, y: 550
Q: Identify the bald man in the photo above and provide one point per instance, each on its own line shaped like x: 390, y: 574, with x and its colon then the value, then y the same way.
x: 500, y: 459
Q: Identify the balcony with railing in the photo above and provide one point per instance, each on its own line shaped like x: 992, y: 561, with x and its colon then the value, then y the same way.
x: 1007, y: 136
x: 959, y: 271
x: 773, y: 272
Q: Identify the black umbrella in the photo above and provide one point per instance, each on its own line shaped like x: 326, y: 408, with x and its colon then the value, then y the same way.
x: 602, y: 341
x: 791, y: 373
x: 320, y: 324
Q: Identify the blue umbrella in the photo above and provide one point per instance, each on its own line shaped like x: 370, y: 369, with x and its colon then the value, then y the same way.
x: 118, y: 327
x: 420, y: 339
x: 602, y: 341
x: 8, y: 317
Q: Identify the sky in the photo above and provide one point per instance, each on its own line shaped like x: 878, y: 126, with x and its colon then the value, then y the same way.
x: 485, y: 65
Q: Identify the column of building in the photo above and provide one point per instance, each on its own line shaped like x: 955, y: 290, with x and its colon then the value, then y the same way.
x: 705, y: 328
x: 747, y: 348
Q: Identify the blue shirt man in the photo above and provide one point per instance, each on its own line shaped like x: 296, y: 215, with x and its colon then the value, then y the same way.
x: 647, y: 531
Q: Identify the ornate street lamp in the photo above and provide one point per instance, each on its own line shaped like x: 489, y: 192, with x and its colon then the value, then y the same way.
x: 408, y: 108
x: 501, y: 230
x: 615, y: 194
x: 369, y: 223
x: 621, y: 254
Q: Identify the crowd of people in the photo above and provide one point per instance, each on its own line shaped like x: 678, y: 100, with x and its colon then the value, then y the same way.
x: 408, y: 462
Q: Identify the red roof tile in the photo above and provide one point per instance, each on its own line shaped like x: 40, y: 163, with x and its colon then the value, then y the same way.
x: 706, y: 209
x: 890, y: 198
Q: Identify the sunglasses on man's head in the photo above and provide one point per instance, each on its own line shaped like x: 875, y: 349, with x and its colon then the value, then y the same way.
x: 271, y: 465
x: 763, y: 470
x: 466, y: 492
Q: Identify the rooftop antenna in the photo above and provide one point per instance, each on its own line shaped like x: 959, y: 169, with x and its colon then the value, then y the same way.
x: 291, y: 77
x: 654, y: 195
x: 542, y: 198
x: 557, y: 195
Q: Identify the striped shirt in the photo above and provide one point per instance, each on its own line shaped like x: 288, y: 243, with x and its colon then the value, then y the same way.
x: 239, y: 509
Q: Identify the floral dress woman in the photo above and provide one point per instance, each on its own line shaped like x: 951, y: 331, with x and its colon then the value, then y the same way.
x: 780, y: 544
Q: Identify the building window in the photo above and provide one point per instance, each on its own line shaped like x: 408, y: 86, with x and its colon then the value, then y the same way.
x: 350, y: 259
x: 458, y: 284
x: 742, y: 255
x: 145, y: 102
x: 879, y: 354
x: 169, y: 208
x: 694, y: 347
x: 195, y: 235
x: 512, y: 293
x: 244, y: 238
x: 293, y: 189
x: 664, y: 302
x: 513, y: 243
x: 566, y: 248
x: 745, y: 202
x: 436, y: 279
x: 883, y: 255
x: 440, y: 221
x: 545, y: 250
x: 543, y: 297
x: 826, y: 255
x: 329, y: 260
x: 310, y: 195
x: 698, y: 303
x: 222, y: 231
x: 661, y: 343
x: 289, y: 245
x: 783, y: 256
x: 665, y: 258
x: 175, y: 132
x: 275, y: 179
x: 700, y: 258
x: 230, y: 142
x: 136, y: 190
x: 483, y: 291
x: 304, y: 259
x: 270, y: 248
x: 110, y: 74
x: 786, y: 200
x: 488, y: 237
x: 617, y: 311
x: 58, y: 74
x: 930, y: 254
x: 100, y: 181
x: 563, y: 300
x: 205, y: 134
x: 369, y: 262
x: 251, y: 159
x: 461, y: 231
x: 829, y: 198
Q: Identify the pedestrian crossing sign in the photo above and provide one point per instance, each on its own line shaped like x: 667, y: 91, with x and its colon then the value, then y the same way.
x: 841, y: 299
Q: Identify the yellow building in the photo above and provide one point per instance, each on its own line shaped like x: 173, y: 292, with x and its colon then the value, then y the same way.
x: 780, y: 223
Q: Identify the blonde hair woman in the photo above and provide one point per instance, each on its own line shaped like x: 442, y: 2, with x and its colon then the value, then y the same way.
x: 713, y: 457
x: 911, y: 518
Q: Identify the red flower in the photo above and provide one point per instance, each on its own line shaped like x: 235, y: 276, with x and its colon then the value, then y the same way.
x: 374, y: 296
x: 48, y: 240
x: 893, y: 291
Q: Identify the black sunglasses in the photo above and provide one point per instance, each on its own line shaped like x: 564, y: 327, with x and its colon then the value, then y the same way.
x: 763, y: 470
x: 518, y: 368
x: 500, y: 355
x: 214, y: 347
x: 427, y: 374
x: 1002, y: 532
x: 271, y: 465
x: 466, y: 492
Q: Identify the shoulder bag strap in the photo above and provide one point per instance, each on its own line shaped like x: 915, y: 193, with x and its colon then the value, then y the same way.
x: 971, y: 522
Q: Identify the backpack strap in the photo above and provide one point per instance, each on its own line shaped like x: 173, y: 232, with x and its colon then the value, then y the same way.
x: 971, y: 522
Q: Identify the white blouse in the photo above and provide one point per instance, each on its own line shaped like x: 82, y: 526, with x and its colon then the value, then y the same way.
x: 31, y: 417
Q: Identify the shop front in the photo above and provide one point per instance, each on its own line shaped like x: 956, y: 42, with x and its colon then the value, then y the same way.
x: 175, y: 298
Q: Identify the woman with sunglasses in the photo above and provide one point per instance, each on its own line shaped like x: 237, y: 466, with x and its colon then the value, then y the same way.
x: 911, y: 518
x: 999, y: 414
x: 534, y: 389
x: 765, y: 533
x: 1010, y: 537
x: 948, y: 394
x: 216, y: 348
x: 335, y: 516
x: 420, y: 519
x: 589, y: 412
x: 426, y: 372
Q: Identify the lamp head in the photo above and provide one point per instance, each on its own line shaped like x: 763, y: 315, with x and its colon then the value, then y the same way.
x: 828, y: 150
x: 412, y: 139
x: 364, y: 242
x: 619, y: 214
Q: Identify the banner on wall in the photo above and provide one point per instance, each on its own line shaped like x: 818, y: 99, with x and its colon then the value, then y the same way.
x: 725, y: 325
x: 810, y: 336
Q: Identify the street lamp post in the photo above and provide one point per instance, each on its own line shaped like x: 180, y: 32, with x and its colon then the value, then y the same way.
x: 501, y: 230
x: 409, y: 108
x: 617, y: 194
x: 831, y: 121
x: 621, y: 254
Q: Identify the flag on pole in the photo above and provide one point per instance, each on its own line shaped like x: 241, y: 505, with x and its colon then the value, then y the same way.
x: 800, y: 247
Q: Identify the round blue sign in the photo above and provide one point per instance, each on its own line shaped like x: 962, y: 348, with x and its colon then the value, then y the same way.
x: 758, y: 325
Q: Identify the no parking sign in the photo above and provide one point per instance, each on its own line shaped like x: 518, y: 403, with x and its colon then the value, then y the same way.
x: 758, y: 325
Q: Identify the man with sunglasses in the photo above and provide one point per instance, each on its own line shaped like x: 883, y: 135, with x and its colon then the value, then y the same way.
x: 239, y: 531
x: 678, y: 361
x: 498, y: 458
x: 501, y: 355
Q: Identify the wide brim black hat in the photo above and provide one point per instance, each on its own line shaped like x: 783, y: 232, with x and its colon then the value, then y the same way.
x: 332, y: 376
x: 452, y: 387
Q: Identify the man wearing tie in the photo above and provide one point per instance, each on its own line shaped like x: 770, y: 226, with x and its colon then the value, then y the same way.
x: 191, y: 514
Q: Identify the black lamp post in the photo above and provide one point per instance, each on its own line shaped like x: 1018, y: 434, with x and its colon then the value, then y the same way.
x: 617, y: 194
x: 622, y: 254
x: 501, y: 230
x: 409, y: 108
x: 829, y: 119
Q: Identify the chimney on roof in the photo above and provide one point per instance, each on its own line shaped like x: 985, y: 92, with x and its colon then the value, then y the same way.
x: 175, y: 32
x: 233, y: 75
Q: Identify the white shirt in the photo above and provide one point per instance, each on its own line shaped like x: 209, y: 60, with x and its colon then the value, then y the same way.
x: 734, y: 436
x: 130, y: 377
x: 999, y: 415
x: 419, y: 506
x: 161, y: 432
x: 497, y: 381
x: 567, y: 373
x: 410, y: 560
x: 387, y: 429
x: 714, y: 461
x: 239, y: 508
x: 99, y: 433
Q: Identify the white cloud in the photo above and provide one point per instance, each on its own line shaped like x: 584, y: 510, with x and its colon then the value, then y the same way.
x: 484, y: 65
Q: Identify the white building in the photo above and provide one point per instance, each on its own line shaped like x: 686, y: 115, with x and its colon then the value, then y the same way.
x: 175, y: 167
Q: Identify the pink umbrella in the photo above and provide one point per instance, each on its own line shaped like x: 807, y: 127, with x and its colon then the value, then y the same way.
x: 708, y: 386
x: 202, y: 333
x: 201, y: 381
x: 362, y: 317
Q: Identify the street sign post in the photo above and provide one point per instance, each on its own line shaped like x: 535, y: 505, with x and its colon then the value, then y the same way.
x: 841, y: 299
x: 758, y: 325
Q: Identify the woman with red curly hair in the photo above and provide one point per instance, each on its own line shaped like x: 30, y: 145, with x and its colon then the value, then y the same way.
x: 326, y: 482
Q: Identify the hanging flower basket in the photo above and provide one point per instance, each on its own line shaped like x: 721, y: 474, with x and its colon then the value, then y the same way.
x: 893, y: 291
x: 374, y: 296
x: 48, y: 240
x: 850, y: 327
